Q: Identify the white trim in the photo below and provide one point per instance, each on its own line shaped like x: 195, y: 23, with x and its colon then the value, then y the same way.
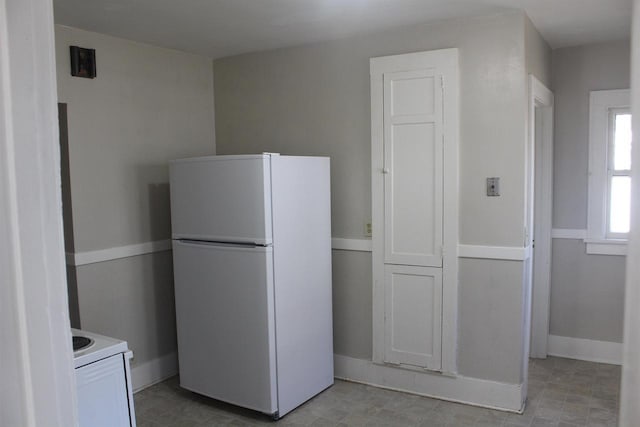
x: 585, y: 349
x: 38, y: 379
x: 630, y: 388
x: 569, y: 233
x: 451, y: 128
x: 360, y: 245
x: 539, y: 160
x: 101, y: 255
x: 446, y: 61
x: 600, y: 104
x: 470, y: 391
x: 511, y: 253
x: 91, y: 257
x: 606, y: 247
x: 154, y: 371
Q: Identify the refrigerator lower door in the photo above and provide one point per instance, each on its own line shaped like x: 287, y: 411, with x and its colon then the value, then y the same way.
x: 225, y: 323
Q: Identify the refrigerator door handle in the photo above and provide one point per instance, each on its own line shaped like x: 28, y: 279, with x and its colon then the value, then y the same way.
x: 222, y: 246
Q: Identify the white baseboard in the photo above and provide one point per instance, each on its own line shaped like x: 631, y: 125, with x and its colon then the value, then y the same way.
x: 154, y: 371
x: 471, y: 391
x: 584, y: 349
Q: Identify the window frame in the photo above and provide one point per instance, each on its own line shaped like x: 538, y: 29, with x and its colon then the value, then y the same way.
x: 603, y: 106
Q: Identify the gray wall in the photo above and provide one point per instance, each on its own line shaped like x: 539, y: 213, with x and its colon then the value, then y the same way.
x: 352, y: 303
x: 147, y: 105
x: 587, y: 291
x: 131, y: 298
x: 491, y: 319
x: 537, y: 53
x: 314, y: 100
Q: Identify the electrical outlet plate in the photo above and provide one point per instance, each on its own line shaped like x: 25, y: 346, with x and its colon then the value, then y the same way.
x: 493, y: 186
x: 368, y: 229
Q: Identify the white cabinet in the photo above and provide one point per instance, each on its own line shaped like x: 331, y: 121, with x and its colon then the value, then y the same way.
x: 104, y: 393
x: 414, y: 115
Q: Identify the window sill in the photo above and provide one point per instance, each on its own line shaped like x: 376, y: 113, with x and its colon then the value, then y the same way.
x: 606, y: 246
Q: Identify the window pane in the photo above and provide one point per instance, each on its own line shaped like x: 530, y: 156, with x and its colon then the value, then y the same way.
x: 620, y: 204
x: 622, y: 142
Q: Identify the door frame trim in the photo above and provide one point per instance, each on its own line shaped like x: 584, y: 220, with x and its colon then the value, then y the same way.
x: 541, y: 97
x: 447, y: 60
x: 37, y: 358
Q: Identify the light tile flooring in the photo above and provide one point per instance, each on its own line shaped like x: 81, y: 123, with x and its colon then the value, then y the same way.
x: 562, y: 393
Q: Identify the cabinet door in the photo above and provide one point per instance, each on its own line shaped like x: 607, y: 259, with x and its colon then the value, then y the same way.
x: 413, y: 316
x: 102, y: 394
x: 413, y: 160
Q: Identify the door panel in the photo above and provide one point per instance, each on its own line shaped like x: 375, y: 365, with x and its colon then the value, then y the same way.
x: 222, y: 199
x: 413, y: 159
x: 413, y: 300
x: 225, y: 322
x: 413, y: 93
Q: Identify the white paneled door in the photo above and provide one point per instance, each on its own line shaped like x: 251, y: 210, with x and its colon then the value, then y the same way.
x: 414, y: 133
x: 413, y: 168
x: 413, y: 325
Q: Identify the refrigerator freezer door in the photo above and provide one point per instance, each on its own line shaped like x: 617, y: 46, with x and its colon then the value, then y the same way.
x: 225, y: 321
x: 222, y: 199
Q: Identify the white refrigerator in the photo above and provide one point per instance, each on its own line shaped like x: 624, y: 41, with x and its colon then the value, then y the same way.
x: 252, y: 268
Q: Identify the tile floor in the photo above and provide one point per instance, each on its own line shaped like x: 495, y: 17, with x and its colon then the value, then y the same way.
x: 562, y: 393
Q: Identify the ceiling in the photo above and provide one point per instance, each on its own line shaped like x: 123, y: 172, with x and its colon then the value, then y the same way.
x: 219, y: 28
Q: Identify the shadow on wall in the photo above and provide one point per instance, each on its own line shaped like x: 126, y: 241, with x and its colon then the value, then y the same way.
x: 67, y: 218
x: 161, y: 315
x: 157, y: 223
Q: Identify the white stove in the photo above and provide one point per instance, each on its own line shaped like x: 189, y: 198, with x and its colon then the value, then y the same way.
x: 103, y: 380
x: 101, y: 347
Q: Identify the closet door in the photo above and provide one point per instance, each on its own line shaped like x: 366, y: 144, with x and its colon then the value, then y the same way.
x: 414, y: 137
x: 413, y: 311
x: 413, y: 168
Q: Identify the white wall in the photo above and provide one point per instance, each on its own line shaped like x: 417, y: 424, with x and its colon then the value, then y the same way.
x: 37, y: 385
x: 587, y: 291
x: 314, y: 100
x: 630, y: 391
x: 147, y: 105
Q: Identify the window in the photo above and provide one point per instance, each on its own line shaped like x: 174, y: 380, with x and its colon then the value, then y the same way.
x: 609, y: 172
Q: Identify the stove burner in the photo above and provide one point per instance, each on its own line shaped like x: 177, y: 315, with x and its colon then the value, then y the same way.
x: 80, y: 343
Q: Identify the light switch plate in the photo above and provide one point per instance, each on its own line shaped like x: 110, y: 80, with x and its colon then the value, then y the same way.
x: 493, y: 186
